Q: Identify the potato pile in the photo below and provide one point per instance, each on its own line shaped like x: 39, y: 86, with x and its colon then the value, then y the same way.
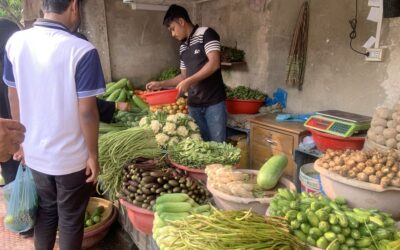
x: 385, y: 127
x: 380, y: 168
x: 173, y: 108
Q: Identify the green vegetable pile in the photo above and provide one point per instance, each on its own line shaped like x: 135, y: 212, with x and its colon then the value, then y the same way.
x: 169, y: 74
x: 95, y: 217
x: 331, y: 224
x: 122, y: 91
x: 229, y: 54
x: 225, y: 230
x: 130, y: 119
x: 199, y: 154
x: 244, y: 93
x: 105, y: 128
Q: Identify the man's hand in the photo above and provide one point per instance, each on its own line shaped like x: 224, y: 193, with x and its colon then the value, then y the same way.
x: 184, y: 86
x: 154, y: 85
x: 92, y: 170
x: 19, y: 155
x: 12, y: 134
x: 124, y: 106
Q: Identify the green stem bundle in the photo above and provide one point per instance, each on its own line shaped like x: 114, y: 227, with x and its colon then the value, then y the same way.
x: 118, y: 148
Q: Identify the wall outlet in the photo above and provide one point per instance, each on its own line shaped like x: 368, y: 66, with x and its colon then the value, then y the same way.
x: 375, y: 55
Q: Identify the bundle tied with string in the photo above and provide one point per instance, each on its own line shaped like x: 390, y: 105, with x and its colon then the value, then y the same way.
x: 298, y: 50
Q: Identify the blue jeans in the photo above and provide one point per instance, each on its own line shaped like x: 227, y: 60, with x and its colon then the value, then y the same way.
x: 211, y: 121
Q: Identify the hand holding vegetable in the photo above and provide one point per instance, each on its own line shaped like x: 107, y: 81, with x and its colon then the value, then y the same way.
x: 154, y: 85
x: 123, y: 106
x: 184, y: 86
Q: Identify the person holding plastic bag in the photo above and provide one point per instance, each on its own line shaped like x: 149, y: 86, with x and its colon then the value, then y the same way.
x: 54, y: 78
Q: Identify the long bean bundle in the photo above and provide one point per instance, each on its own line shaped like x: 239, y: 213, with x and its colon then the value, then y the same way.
x: 228, y: 230
x: 116, y: 149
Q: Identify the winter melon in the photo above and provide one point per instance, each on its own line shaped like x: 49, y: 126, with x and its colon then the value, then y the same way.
x: 271, y: 171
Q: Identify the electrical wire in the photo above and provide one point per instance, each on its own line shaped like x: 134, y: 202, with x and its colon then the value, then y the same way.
x: 353, y: 33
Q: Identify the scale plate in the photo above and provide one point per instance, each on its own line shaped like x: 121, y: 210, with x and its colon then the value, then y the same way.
x: 346, y: 116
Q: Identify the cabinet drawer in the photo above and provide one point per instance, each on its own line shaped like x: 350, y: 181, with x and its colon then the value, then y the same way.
x: 260, y: 154
x: 272, y: 139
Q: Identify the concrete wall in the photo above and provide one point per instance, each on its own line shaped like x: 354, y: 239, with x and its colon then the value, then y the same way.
x: 335, y: 78
x: 133, y: 43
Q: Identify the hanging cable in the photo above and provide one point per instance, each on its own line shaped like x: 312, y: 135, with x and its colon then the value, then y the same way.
x: 353, y: 33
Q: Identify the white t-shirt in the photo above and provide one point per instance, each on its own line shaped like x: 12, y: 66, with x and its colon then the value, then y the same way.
x: 51, y: 69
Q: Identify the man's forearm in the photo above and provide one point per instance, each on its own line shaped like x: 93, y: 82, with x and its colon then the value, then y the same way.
x: 89, y: 121
x: 14, y: 103
x: 173, y: 82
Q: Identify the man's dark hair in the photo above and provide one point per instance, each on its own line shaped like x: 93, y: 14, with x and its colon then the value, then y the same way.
x: 174, y: 12
x: 56, y: 6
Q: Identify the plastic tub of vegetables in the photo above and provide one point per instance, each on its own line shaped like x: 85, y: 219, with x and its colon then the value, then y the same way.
x: 244, y: 100
x: 193, y: 156
x: 238, y: 195
x: 365, y: 179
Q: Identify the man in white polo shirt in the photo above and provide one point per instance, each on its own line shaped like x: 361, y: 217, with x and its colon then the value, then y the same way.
x: 53, y: 78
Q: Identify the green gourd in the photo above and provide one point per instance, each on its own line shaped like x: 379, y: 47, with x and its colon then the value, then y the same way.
x: 271, y: 171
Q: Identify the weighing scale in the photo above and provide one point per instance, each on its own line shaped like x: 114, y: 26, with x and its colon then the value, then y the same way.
x: 338, y: 122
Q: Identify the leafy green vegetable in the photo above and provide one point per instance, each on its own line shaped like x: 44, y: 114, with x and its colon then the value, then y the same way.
x: 199, y: 154
x: 168, y: 74
x: 244, y: 93
x: 231, y: 54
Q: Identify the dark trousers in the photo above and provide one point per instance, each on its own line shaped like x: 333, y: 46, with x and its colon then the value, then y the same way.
x: 62, y: 202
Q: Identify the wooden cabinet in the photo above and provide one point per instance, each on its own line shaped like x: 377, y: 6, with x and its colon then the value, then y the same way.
x: 269, y: 137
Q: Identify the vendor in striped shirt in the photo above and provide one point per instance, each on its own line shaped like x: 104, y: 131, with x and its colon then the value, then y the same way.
x: 200, y: 73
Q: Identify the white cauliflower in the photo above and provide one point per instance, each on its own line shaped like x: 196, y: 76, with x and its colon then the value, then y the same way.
x: 173, y: 140
x: 172, y: 118
x: 169, y: 128
x: 193, y: 126
x: 180, y: 115
x: 196, y: 137
x: 162, y: 139
x: 182, y: 131
x: 143, y: 122
x: 155, y: 126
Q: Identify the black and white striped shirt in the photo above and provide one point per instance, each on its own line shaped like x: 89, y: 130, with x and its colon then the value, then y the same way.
x: 193, y: 56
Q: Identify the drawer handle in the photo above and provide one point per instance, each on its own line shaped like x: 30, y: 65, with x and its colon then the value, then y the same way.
x: 270, y: 141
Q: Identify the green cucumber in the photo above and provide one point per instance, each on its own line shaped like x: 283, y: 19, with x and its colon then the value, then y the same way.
x: 270, y: 173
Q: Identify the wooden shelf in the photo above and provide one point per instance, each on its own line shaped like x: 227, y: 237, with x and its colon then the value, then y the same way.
x: 230, y: 64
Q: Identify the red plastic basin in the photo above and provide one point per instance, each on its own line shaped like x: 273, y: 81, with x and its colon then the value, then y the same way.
x: 161, y: 97
x: 141, y: 219
x: 198, y: 174
x: 325, y: 141
x: 235, y: 106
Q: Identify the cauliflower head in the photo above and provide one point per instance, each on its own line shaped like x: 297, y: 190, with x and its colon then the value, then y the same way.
x: 169, y: 128
x: 193, y: 126
x: 155, y: 126
x: 172, y: 118
x: 162, y: 139
x: 196, y: 137
x: 182, y: 131
x: 143, y: 122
